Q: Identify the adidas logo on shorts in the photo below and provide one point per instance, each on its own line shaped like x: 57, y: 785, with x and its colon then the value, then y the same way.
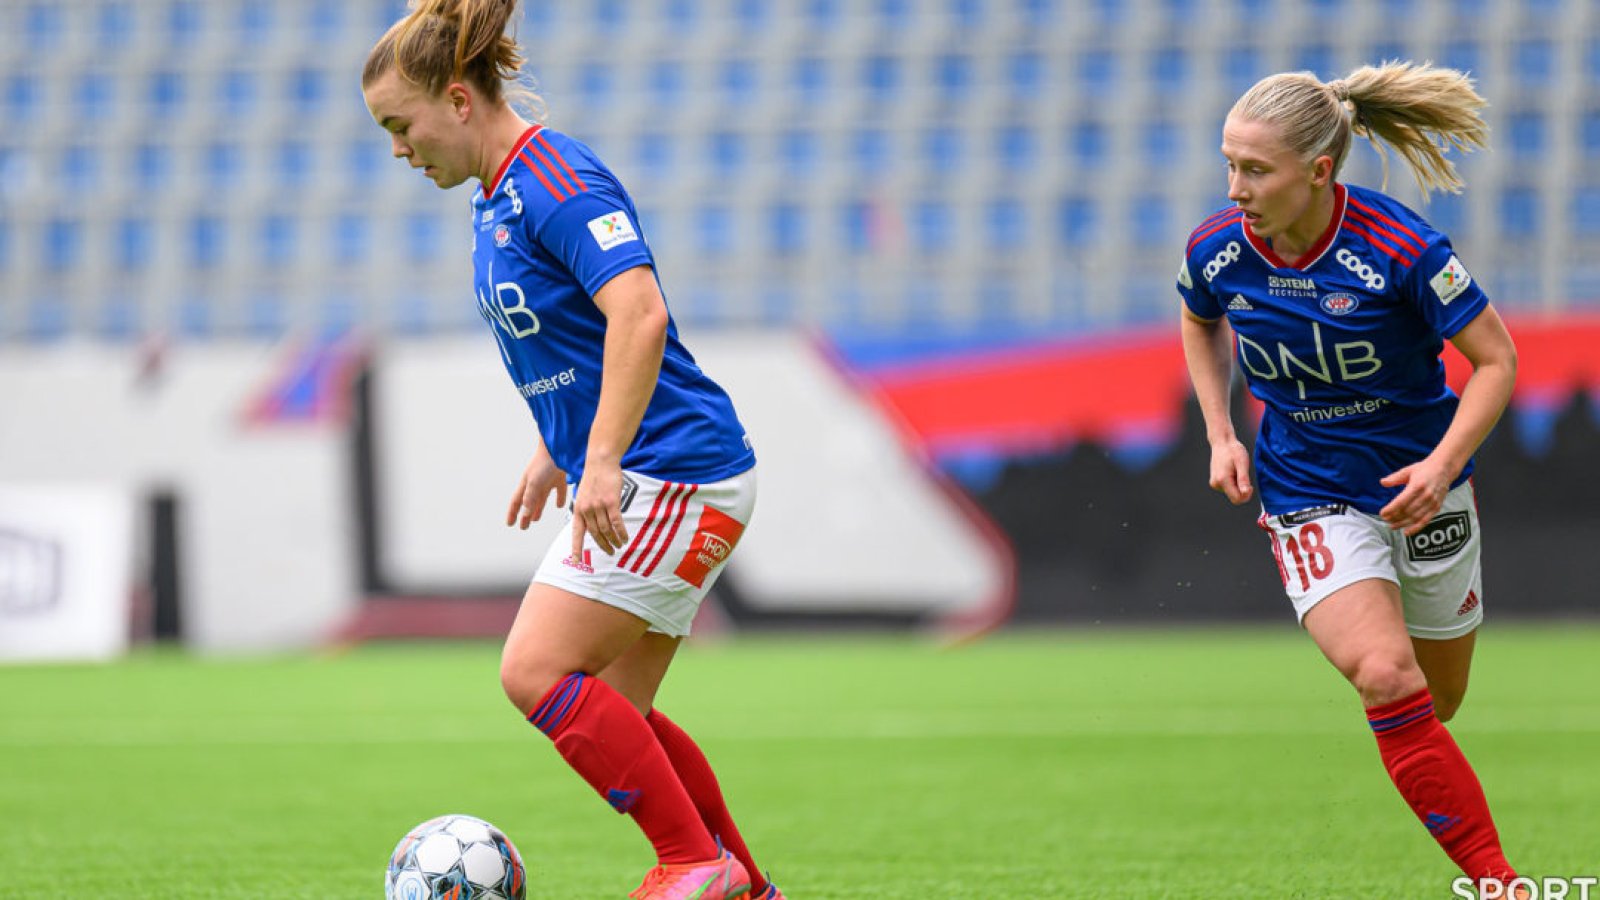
x: 1468, y: 605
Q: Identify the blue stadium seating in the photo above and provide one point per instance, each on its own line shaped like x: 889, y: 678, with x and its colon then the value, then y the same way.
x: 939, y: 145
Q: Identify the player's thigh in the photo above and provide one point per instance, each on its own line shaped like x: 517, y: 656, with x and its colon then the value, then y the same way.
x: 557, y: 632
x: 638, y: 672
x: 1361, y: 629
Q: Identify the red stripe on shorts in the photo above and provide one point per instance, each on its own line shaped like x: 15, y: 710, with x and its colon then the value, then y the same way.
x: 645, y: 528
x: 660, y: 526
x: 676, y: 521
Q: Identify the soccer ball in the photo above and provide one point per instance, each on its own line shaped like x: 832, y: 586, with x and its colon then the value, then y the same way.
x: 455, y: 858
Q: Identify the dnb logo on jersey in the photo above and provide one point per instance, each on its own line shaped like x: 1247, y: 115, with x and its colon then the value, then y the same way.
x: 502, y: 236
x: 1339, y: 304
x: 612, y: 229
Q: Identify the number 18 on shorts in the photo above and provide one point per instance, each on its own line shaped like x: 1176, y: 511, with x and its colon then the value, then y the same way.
x: 1324, y: 548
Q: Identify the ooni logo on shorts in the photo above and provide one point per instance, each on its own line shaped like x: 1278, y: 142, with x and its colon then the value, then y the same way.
x: 1225, y: 257
x: 1442, y: 538
x: 1360, y: 269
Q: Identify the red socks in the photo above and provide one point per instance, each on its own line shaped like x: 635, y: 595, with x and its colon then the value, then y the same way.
x: 1438, y: 783
x: 695, y: 772
x: 605, y: 740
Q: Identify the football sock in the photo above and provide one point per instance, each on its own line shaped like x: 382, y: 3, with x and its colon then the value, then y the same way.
x: 694, y: 770
x: 1438, y: 783
x: 605, y: 740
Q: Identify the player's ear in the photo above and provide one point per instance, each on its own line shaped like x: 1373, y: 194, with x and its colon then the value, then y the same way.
x: 460, y: 99
x: 1321, y: 171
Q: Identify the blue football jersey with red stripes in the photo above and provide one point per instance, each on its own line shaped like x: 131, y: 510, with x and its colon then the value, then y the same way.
x: 552, y: 228
x: 1342, y: 345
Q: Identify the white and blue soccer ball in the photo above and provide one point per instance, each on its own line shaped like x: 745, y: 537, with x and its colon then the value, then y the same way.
x: 455, y: 858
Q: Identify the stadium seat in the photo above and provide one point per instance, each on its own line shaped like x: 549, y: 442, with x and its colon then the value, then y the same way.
x: 1525, y: 133
x: 932, y: 226
x: 1519, y: 211
x: 1586, y: 211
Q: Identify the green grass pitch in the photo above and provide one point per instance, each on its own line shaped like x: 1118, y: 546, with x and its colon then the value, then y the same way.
x: 1087, y: 763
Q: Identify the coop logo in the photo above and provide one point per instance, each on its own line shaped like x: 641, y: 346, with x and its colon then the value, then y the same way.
x: 1225, y: 257
x: 612, y: 229
x: 1550, y: 887
x: 30, y: 574
x: 1442, y: 538
x: 1360, y: 269
x: 714, y: 539
x: 1339, y: 304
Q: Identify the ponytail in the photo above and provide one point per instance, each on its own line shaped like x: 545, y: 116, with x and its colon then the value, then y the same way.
x: 1420, y: 111
x: 444, y: 41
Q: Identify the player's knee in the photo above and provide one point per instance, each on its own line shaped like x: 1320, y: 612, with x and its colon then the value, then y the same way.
x: 525, y: 682
x: 1384, y: 679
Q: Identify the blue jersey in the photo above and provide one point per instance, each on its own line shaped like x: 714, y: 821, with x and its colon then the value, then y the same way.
x: 551, y: 229
x: 1342, y: 345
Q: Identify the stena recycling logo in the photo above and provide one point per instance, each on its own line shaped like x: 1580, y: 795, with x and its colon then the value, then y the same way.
x: 1225, y: 257
x: 1360, y: 269
x: 1339, y: 304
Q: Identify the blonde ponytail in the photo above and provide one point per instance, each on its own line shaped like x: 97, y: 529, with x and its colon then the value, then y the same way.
x: 1421, y: 111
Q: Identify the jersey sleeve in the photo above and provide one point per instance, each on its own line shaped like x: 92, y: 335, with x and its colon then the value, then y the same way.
x: 1442, y: 291
x: 594, y: 235
x: 1196, y: 293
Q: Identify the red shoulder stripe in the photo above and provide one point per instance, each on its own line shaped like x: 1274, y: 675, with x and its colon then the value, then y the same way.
x: 1204, y: 232
x: 1354, y: 226
x: 549, y: 148
x: 1395, y: 240
x: 543, y: 179
x: 1417, y: 240
x: 551, y: 169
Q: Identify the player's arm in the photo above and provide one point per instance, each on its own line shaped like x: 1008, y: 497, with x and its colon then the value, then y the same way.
x: 1208, y: 349
x: 1486, y: 344
x: 539, y: 479
x: 636, y: 338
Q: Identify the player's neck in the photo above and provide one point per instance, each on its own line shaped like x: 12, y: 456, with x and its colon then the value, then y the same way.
x: 1300, y: 237
x: 501, y: 135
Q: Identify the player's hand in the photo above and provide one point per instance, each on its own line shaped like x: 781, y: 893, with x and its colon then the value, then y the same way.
x: 1230, y: 471
x: 1427, y: 483
x: 597, y: 509
x: 533, y: 491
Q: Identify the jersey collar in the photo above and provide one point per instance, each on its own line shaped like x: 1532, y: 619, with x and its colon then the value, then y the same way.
x: 1316, y: 251
x: 499, y: 175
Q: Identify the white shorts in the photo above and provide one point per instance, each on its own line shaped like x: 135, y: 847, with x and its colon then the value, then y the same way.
x: 679, y: 536
x: 1325, y: 548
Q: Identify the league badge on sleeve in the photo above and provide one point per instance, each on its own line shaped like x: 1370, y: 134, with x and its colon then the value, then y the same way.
x: 1451, y: 281
x: 612, y: 229
x: 1183, y: 275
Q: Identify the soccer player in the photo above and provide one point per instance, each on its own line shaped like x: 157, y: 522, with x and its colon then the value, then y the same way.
x: 661, y: 474
x: 1339, y: 300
